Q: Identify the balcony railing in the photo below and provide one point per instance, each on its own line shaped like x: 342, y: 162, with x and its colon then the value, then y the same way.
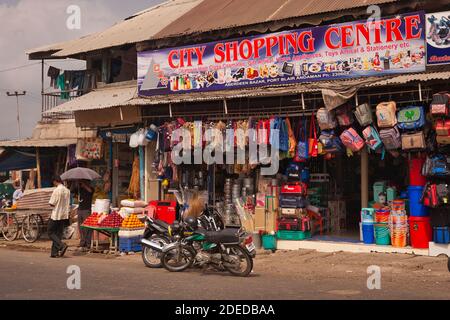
x: 54, y: 99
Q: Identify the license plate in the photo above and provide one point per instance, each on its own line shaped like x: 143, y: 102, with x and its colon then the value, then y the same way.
x: 250, y: 247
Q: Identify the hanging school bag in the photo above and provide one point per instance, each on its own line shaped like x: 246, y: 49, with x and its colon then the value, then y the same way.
x: 352, y: 140
x: 313, y: 143
x: 326, y: 119
x: 302, y: 153
x: 331, y: 143
x: 413, y: 141
x: 363, y: 114
x: 391, y: 138
x: 411, y: 118
x: 437, y: 165
x: 344, y: 115
x: 372, y: 137
x: 440, y: 104
x: 386, y: 114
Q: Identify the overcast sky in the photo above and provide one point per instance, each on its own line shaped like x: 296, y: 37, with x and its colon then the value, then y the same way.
x: 26, y: 24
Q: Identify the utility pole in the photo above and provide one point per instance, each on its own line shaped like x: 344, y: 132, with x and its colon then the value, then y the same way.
x: 16, y: 94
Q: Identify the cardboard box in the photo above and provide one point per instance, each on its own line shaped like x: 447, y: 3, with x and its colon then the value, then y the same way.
x: 265, y: 221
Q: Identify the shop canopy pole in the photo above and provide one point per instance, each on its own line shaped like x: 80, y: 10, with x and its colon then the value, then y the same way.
x: 141, y: 173
x: 420, y: 92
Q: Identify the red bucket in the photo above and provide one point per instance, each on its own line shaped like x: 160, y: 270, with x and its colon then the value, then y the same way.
x: 420, y: 232
x: 416, y: 178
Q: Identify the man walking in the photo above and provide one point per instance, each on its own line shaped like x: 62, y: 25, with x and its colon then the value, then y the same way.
x: 60, y: 201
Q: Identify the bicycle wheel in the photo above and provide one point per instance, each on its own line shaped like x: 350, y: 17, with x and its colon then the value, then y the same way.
x: 31, y: 228
x: 10, y: 227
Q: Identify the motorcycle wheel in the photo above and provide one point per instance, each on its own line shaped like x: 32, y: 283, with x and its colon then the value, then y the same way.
x: 152, y: 258
x: 176, y: 260
x: 243, y: 257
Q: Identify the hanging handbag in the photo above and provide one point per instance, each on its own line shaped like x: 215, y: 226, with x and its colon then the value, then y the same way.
x: 302, y: 152
x: 292, y: 140
x: 326, y: 119
x: 313, y: 148
x: 413, y: 141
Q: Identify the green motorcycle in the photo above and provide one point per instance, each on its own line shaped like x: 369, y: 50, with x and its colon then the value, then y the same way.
x: 229, y: 250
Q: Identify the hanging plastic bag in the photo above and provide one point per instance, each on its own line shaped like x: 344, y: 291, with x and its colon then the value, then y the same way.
x: 141, y: 140
x: 134, y: 140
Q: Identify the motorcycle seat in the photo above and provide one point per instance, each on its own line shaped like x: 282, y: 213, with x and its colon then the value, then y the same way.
x: 162, y: 224
x: 223, y: 236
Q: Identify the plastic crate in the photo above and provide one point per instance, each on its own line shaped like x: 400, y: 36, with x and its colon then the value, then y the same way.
x: 132, y: 244
x: 293, y: 235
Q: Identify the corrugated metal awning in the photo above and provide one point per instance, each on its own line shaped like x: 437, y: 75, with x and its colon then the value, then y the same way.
x: 99, y: 99
x: 44, y: 143
x: 121, y: 97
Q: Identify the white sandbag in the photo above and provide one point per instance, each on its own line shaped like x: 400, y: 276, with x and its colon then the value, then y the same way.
x: 133, y: 203
x: 102, y: 205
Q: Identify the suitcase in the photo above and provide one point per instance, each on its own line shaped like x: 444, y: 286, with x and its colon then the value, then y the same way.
x: 291, y: 201
x: 296, y: 188
x: 288, y: 211
x: 292, y: 224
x: 413, y: 141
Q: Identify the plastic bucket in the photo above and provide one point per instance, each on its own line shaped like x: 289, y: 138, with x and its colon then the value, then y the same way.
x: 382, y: 236
x: 368, y: 233
x: 382, y: 216
x: 420, y: 231
x: 416, y: 209
x: 415, y: 172
x: 269, y: 242
x: 367, y: 215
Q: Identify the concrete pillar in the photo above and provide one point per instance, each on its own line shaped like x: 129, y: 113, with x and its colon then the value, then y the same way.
x: 364, y: 178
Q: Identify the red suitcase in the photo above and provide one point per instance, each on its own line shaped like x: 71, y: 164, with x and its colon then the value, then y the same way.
x: 298, y: 188
x: 290, y: 224
x: 165, y: 210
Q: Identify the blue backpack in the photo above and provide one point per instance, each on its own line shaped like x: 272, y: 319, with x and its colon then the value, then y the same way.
x: 284, y: 136
x: 437, y: 165
x: 411, y: 118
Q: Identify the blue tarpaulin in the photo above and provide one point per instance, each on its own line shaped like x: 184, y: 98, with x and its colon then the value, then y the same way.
x: 12, y: 160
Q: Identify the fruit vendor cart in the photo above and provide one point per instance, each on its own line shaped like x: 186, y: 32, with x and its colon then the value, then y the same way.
x: 106, y: 224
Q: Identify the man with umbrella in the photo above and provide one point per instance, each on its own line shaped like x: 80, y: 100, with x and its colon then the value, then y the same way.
x: 82, y: 177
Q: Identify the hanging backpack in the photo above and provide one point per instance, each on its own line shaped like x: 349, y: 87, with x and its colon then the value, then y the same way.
x: 437, y: 165
x: 302, y: 153
x: 372, y: 137
x: 391, y: 138
x: 344, y: 115
x: 440, y: 104
x: 443, y: 127
x: 413, y: 141
x: 386, y: 114
x: 363, y: 114
x: 411, y: 118
x: 331, y: 143
x: 352, y: 140
x: 326, y: 119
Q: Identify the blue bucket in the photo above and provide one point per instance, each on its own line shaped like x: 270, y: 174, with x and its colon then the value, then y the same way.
x: 416, y: 208
x: 368, y: 233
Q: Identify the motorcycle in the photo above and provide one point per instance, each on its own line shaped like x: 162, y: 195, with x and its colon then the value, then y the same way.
x: 229, y: 250
x: 159, y: 233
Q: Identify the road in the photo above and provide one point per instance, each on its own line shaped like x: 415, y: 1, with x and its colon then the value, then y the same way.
x: 302, y: 274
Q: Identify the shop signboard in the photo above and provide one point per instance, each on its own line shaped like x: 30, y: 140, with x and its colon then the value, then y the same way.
x: 386, y: 46
x: 438, y: 38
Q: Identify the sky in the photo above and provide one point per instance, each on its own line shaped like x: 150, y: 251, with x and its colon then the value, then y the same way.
x: 28, y: 24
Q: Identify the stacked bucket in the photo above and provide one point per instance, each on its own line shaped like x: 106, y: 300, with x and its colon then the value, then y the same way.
x: 381, y: 227
x: 398, y: 224
x: 419, y: 220
x: 367, y: 220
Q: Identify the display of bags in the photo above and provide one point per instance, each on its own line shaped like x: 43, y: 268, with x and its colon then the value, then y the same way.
x: 440, y: 104
x: 297, y: 188
x: 391, y: 138
x: 372, y: 137
x: 292, y: 224
x: 414, y: 140
x: 326, y: 119
x: 386, y: 114
x: 435, y: 195
x: 411, y: 118
x: 436, y: 165
x: 444, y: 140
x: 363, y: 114
x: 344, y: 115
x: 352, y: 140
x: 292, y: 201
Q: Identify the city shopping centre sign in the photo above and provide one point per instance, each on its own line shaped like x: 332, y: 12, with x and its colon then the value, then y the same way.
x: 364, y: 48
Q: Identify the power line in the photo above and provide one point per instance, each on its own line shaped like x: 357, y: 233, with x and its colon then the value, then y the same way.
x: 20, y: 67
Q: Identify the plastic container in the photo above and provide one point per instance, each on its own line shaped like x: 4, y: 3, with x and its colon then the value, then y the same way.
x: 102, y: 206
x: 382, y: 235
x: 382, y: 216
x: 416, y: 208
x: 391, y: 194
x: 415, y: 172
x: 368, y: 233
x: 132, y: 244
x: 420, y: 232
x: 367, y: 215
x: 378, y: 187
x: 293, y: 235
x: 441, y: 235
x: 269, y: 242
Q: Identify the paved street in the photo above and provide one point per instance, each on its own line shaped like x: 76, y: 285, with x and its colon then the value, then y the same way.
x: 304, y: 274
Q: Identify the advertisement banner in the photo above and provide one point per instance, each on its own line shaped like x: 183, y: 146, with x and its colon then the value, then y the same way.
x: 438, y: 38
x: 355, y: 49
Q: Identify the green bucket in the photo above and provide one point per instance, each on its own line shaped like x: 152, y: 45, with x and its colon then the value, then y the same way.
x: 382, y: 234
x: 269, y: 242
